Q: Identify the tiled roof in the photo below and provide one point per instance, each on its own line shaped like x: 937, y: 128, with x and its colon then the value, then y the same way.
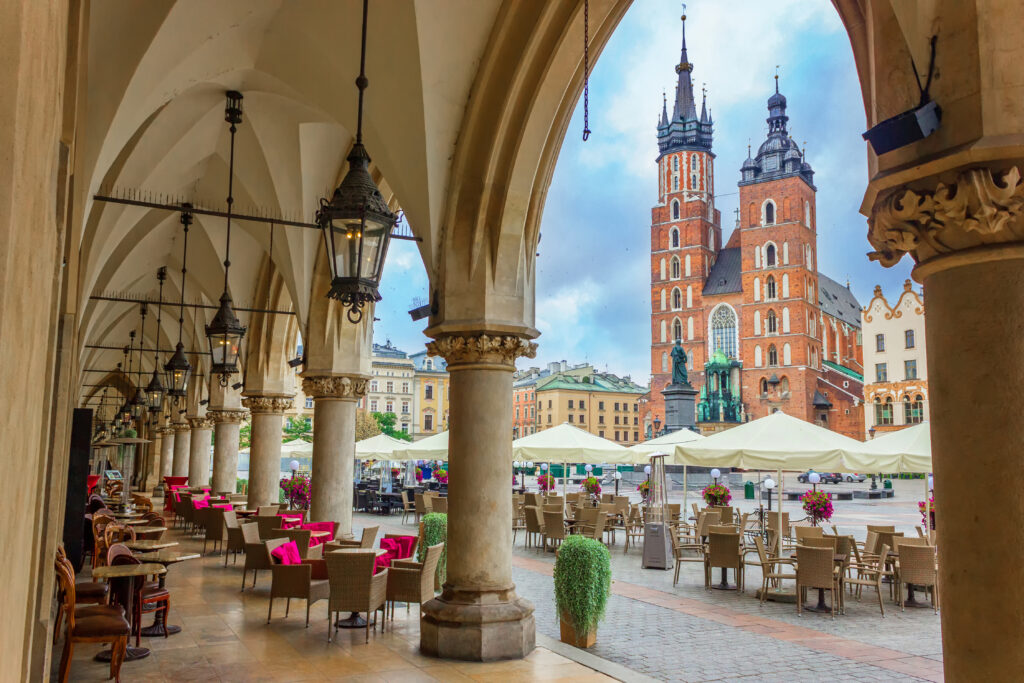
x: 838, y: 301
x: 843, y: 370
x: 599, y: 381
x: 725, y: 274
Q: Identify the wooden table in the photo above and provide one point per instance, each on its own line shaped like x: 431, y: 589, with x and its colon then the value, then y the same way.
x: 320, y: 534
x: 127, y: 515
x: 125, y: 571
x: 354, y: 620
x: 134, y: 522
x: 164, y: 557
x: 148, y: 544
x: 146, y: 530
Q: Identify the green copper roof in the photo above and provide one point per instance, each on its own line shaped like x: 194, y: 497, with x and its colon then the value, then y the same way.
x: 599, y: 381
x: 842, y: 369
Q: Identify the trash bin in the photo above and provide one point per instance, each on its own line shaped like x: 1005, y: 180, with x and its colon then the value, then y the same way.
x: 887, y: 484
x: 748, y: 490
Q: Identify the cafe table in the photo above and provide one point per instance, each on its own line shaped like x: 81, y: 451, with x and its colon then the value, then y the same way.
x: 147, y: 530
x: 127, y: 515
x: 165, y: 557
x: 127, y: 571
x: 354, y: 620
x: 838, y: 558
x: 245, y: 513
x: 148, y: 544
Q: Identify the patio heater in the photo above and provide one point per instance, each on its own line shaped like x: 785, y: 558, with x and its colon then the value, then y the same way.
x: 657, y: 534
x: 617, y: 476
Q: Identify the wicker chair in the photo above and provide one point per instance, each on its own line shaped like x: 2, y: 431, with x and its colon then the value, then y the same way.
x: 355, y: 588
x: 267, y: 510
x: 257, y: 552
x: 302, y: 538
x: 685, y: 542
x: 554, y: 529
x: 917, y: 567
x: 725, y: 551
x: 413, y: 582
x: 816, y: 568
x: 235, y: 540
x: 439, y: 504
x: 216, y: 531
x: 108, y: 627
x: 868, y: 574
x: 518, y: 520
x: 307, y: 581
x: 269, y: 526
x: 802, y: 532
x: 634, y: 528
x: 365, y: 542
x: 408, y: 508
x: 598, y: 529
x: 534, y: 524
x: 771, y: 568
x: 419, y: 506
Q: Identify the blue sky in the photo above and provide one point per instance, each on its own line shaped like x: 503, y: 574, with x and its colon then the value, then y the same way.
x: 593, y: 271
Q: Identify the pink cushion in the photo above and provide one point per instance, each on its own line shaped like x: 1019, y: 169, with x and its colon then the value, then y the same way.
x: 223, y: 506
x: 392, y: 547
x: 286, y: 553
x: 319, y: 526
x: 405, y: 546
x: 197, y: 504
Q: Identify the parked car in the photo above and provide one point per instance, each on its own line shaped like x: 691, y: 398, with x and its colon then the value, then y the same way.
x: 826, y: 477
x: 851, y: 477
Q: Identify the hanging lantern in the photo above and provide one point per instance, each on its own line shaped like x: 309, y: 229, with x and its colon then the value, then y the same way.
x: 155, y: 389
x: 176, y: 373
x: 356, y: 223
x: 225, y: 336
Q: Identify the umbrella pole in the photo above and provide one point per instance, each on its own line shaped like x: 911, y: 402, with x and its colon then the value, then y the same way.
x: 927, y: 511
x: 778, y: 526
x: 684, y: 515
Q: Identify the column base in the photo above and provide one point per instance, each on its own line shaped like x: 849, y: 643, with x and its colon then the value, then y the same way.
x: 477, y: 625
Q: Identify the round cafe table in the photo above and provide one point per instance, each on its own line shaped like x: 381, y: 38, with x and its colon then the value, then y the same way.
x: 142, y: 531
x: 166, y: 557
x: 147, y: 545
x: 354, y: 620
x: 126, y: 571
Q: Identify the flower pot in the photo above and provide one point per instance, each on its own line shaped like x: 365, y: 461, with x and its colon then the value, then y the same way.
x: 571, y: 637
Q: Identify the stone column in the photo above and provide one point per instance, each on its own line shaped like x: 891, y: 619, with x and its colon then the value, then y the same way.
x: 199, y: 456
x: 225, y: 448
x: 182, y: 441
x: 265, y: 447
x: 334, y: 446
x: 478, y: 615
x: 967, y: 237
x: 166, y: 452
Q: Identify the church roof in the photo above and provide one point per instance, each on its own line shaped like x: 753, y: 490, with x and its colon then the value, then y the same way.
x: 838, y: 301
x: 724, y: 277
x: 778, y: 156
x: 684, y: 130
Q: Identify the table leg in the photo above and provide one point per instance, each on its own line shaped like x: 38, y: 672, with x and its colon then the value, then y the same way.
x: 157, y: 629
x: 911, y: 601
x: 353, y: 621
x: 724, y: 585
x: 821, y: 606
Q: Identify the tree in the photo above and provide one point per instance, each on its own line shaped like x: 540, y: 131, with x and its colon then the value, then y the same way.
x: 386, y: 423
x: 245, y: 436
x: 366, y: 426
x: 297, y: 428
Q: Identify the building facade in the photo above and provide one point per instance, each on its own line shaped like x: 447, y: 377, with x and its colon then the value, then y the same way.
x: 598, y: 402
x: 896, y: 395
x: 763, y: 329
x: 524, y: 385
x: 390, y: 390
x: 430, y: 395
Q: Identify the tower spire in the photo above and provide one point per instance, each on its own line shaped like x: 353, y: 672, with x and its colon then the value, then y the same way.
x: 685, y: 109
x: 703, y: 104
x: 664, y: 109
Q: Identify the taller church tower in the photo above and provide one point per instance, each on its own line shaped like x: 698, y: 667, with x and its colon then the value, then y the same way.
x: 686, y: 235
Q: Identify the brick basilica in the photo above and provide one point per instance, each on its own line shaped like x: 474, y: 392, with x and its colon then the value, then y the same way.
x: 762, y: 328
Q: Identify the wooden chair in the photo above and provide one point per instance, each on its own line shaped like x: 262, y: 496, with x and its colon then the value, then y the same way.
x: 88, y: 593
x: 725, y: 551
x: 816, y: 568
x: 554, y: 529
x: 306, y: 581
x: 110, y: 627
x: 771, y: 568
x: 413, y: 582
x: 868, y: 574
x: 144, y: 597
x: 355, y: 588
x: 917, y: 567
x: 257, y: 552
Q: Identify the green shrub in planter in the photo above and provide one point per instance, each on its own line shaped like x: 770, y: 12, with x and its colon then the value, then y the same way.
x: 435, y: 530
x: 583, y: 577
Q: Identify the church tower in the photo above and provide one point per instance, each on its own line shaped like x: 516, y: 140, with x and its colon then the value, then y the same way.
x: 685, y: 235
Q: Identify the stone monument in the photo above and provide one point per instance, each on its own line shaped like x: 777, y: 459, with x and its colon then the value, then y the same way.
x: 680, y: 396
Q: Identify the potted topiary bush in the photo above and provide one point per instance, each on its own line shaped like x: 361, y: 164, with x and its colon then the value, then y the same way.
x: 434, y: 530
x: 583, y: 577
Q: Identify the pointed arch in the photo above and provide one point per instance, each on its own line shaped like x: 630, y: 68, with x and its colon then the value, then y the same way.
x: 723, y: 331
x: 757, y: 255
x: 675, y: 202
x: 770, y: 255
x: 769, y: 288
x: 771, y: 322
x: 664, y: 300
x: 689, y: 328
x: 757, y: 323
x: 785, y: 285
x: 689, y: 296
x: 663, y: 269
x: 677, y: 330
x: 785, y: 253
x: 757, y: 289
x: 773, y: 356
x: 677, y: 299
x: 673, y: 241
x: 768, y: 212
x: 675, y: 268
x: 757, y: 356
x: 785, y: 320
x: 664, y: 332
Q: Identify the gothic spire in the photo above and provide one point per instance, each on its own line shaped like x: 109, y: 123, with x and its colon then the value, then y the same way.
x: 685, y: 108
x: 664, y: 109
x: 704, y: 105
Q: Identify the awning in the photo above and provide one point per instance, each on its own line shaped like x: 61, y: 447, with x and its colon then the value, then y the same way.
x: 568, y: 444
x: 431, y: 448
x: 912, y: 445
x: 666, y: 443
x: 378, y: 447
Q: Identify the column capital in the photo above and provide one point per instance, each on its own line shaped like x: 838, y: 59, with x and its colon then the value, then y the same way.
x: 200, y: 422
x: 459, y: 349
x: 973, y: 218
x: 180, y: 427
x: 335, y: 386
x: 234, y: 416
x: 267, y: 404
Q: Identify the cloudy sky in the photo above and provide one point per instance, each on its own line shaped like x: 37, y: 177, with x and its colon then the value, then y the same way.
x: 593, y: 270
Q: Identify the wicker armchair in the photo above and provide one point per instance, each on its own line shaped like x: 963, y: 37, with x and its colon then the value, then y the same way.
x: 269, y: 526
x: 307, y: 581
x: 413, y: 582
x: 257, y: 552
x: 771, y: 568
x: 267, y: 510
x: 917, y: 567
x: 439, y: 504
x: 355, y: 588
x: 235, y: 541
x: 725, y: 551
x: 554, y: 529
x: 216, y: 531
x: 365, y: 542
x: 408, y: 508
x: 816, y: 568
x: 302, y: 538
x: 684, y: 542
x: 869, y: 574
x: 534, y: 524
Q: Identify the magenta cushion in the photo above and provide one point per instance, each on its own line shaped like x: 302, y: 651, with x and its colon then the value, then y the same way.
x: 286, y: 553
x: 319, y: 526
x: 405, y: 546
x: 223, y: 506
x: 392, y: 547
x: 197, y: 504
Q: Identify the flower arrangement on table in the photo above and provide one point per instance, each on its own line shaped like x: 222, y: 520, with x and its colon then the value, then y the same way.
x: 931, y: 509
x: 419, y: 475
x: 546, y: 482
x: 441, y: 476
x: 644, y: 488
x: 297, y: 491
x: 395, y: 471
x: 817, y: 505
x: 716, y: 494
x: 592, y: 486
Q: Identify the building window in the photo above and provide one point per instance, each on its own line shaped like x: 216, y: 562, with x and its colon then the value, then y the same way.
x: 909, y: 337
x: 405, y: 407
x: 600, y: 405
x: 879, y: 342
x: 773, y: 356
x: 601, y: 433
x: 773, y: 323
x: 570, y: 404
x: 549, y: 418
x: 769, y: 212
x: 675, y: 267
x: 913, y: 412
x: 677, y: 299
x: 787, y: 358
x: 616, y: 406
x: 881, y: 373
x: 636, y: 420
x: 675, y: 238
x: 675, y: 202
x: 583, y: 404
x: 769, y: 288
x: 883, y: 412
x: 373, y: 406
x: 389, y: 407
x: 757, y: 323
x: 677, y: 330
x: 686, y: 266
x: 616, y: 435
x: 309, y: 402
x: 689, y: 296
x: 581, y: 417
x: 373, y: 385
x: 764, y: 385
x: 784, y: 386
x: 405, y: 427
x: 723, y: 330
x: 570, y: 418
x: 389, y: 386
x: 428, y: 391
x: 549, y: 404
x: 757, y: 356
x: 600, y: 419
x: 405, y: 387
x: 769, y: 255
x: 910, y: 369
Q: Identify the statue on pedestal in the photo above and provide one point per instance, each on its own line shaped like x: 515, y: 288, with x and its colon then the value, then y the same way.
x: 679, y: 364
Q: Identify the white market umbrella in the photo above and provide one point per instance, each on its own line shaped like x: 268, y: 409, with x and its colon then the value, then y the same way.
x: 431, y: 448
x: 568, y: 444
x: 378, y: 447
x: 912, y: 445
x: 781, y: 442
x: 665, y: 443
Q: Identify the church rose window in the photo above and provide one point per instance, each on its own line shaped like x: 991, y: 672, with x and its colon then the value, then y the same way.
x: 723, y: 331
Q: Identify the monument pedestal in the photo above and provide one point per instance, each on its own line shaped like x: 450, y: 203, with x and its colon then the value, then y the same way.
x: 680, y: 411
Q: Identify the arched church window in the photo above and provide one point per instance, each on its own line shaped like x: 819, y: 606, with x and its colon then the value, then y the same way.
x: 757, y: 323
x: 664, y: 334
x: 785, y: 253
x: 723, y: 330
x: 677, y: 299
x: 675, y: 164
x: 807, y: 214
x: 675, y: 238
x: 675, y: 267
x: 675, y: 202
x: 757, y: 356
x: 773, y: 356
x: 769, y: 289
x: 764, y: 385
x: 675, y: 188
x: 769, y: 255
x: 769, y: 212
x: 757, y: 256
x: 773, y: 323
x: 694, y: 172
x: 677, y: 330
x: 711, y: 238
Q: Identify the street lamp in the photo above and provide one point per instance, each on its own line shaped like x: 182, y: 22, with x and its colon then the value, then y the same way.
x: 769, y: 484
x: 617, y: 476
x: 815, y: 479
x: 715, y: 474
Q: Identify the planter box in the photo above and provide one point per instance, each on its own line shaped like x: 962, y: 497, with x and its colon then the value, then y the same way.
x: 570, y: 637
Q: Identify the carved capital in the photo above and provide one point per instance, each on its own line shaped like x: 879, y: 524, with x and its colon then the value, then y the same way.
x: 335, y: 386
x: 200, y: 422
x: 267, y: 404
x: 981, y: 208
x: 219, y: 416
x: 180, y: 427
x: 482, y: 349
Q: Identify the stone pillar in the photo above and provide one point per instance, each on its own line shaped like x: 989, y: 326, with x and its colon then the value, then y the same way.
x: 265, y: 447
x: 225, y: 448
x: 167, y: 452
x: 199, y: 456
x: 967, y: 237
x: 478, y: 615
x: 334, y: 446
x: 182, y: 441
